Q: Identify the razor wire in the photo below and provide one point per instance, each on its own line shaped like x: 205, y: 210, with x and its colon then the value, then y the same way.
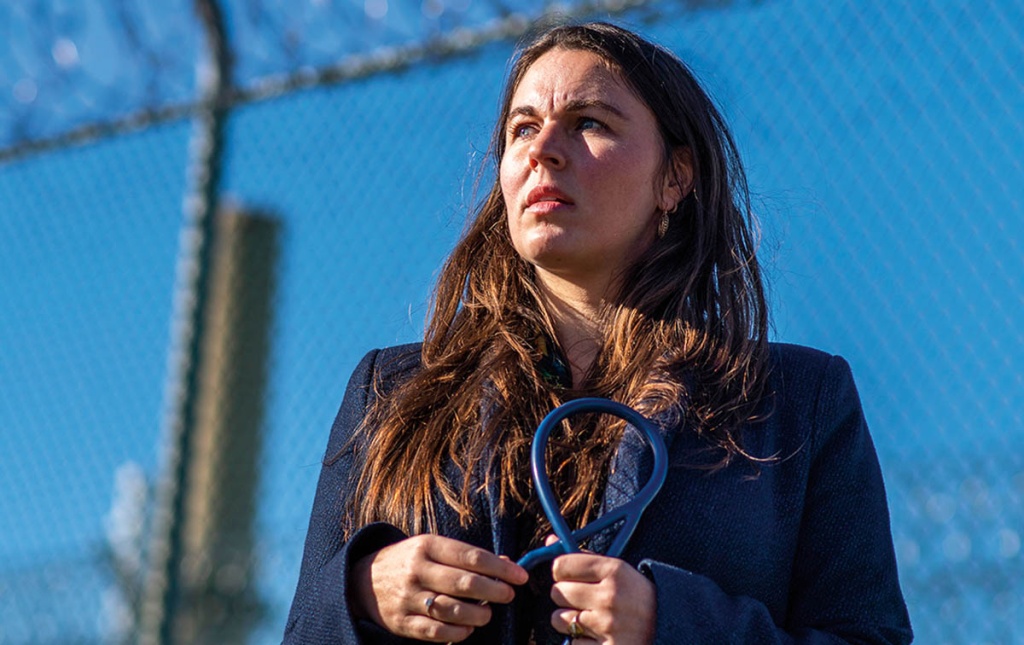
x: 80, y: 73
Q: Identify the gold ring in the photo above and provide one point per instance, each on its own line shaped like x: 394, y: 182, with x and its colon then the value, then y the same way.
x: 575, y: 629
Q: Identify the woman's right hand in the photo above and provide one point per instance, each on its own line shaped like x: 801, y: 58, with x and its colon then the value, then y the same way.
x: 394, y: 587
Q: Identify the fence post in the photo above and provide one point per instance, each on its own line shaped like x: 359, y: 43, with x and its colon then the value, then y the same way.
x: 160, y: 593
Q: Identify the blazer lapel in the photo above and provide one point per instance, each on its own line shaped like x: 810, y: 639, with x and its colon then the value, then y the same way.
x: 630, y: 469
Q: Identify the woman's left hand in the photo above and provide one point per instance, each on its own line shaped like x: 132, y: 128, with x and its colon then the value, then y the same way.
x: 610, y: 600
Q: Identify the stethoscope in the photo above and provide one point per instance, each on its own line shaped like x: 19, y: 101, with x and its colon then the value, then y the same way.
x: 628, y: 513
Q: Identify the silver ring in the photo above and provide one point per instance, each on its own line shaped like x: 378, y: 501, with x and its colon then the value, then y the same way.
x: 575, y: 629
x: 429, y: 601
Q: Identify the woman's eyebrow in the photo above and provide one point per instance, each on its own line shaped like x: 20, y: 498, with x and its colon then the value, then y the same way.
x: 522, y: 110
x: 580, y: 105
x: 576, y: 105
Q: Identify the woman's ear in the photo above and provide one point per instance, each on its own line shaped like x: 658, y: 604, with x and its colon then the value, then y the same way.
x: 678, y: 180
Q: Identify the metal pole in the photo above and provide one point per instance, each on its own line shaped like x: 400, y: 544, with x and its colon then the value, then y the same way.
x: 165, y: 555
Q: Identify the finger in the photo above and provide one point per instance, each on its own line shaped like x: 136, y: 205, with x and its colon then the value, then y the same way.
x: 577, y: 594
x: 434, y: 631
x: 470, y: 558
x: 455, y: 612
x: 561, y: 621
x: 584, y: 567
x: 460, y: 583
x: 552, y: 538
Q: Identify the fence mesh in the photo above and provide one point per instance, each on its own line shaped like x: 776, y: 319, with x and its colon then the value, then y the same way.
x: 880, y: 139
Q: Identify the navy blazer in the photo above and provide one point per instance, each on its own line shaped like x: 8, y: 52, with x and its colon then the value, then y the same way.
x: 796, y: 550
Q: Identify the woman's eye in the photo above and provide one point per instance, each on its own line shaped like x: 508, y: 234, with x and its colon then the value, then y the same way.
x: 587, y: 123
x: 520, y: 130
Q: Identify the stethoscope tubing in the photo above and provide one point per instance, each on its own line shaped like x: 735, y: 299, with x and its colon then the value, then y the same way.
x: 628, y: 513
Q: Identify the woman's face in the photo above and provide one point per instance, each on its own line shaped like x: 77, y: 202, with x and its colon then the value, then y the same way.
x: 582, y: 173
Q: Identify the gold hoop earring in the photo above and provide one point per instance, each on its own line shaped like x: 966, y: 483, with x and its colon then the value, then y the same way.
x: 663, y: 224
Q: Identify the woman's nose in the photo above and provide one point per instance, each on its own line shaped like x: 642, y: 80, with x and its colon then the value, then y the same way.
x: 547, y: 149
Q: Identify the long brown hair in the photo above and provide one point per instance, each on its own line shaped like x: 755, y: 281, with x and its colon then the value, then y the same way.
x: 686, y: 334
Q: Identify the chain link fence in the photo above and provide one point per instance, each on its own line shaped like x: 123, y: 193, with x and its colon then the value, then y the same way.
x: 880, y: 139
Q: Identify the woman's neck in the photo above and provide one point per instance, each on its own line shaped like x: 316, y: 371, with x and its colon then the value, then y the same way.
x: 576, y: 313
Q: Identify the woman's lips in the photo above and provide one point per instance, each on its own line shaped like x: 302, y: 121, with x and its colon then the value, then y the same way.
x: 547, y: 199
x: 546, y: 207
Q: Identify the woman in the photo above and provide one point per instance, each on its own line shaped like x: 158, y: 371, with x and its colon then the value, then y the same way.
x: 613, y: 257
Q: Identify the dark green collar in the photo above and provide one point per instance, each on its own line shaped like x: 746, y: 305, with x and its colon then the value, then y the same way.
x: 552, y: 365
